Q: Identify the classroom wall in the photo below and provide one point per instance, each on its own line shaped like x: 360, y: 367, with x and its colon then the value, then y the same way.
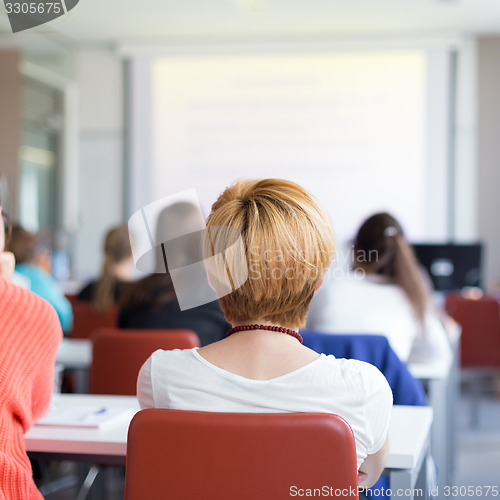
x: 10, y: 124
x: 464, y: 189
x: 489, y: 154
x: 102, y: 111
x: 99, y: 76
x: 100, y: 178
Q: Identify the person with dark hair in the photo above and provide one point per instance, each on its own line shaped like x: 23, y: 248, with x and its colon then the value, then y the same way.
x: 29, y: 337
x: 385, y: 294
x: 117, y: 271
x: 153, y: 302
x: 277, y: 243
x: 23, y: 245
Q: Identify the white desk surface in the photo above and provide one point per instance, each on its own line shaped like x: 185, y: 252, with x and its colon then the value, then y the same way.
x: 75, y: 353
x: 408, y: 433
x: 110, y: 439
x: 429, y: 371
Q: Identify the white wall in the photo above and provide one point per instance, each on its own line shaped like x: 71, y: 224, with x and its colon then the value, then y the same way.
x: 465, y: 209
x: 489, y: 154
x: 99, y: 77
x: 101, y: 171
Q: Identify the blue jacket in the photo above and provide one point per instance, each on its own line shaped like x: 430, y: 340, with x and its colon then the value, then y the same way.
x: 373, y: 349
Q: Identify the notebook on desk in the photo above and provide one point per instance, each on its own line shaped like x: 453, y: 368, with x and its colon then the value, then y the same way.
x: 86, y: 416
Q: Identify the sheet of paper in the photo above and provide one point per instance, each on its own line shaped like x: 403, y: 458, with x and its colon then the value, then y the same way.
x: 88, y: 416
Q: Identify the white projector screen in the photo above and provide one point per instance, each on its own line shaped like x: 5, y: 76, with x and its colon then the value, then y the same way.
x: 363, y: 131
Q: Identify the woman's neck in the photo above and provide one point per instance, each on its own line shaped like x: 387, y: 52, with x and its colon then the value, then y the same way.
x: 123, y: 271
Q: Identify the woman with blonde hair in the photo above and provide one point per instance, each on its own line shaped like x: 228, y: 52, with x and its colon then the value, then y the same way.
x: 269, y: 245
x: 116, y: 274
x: 386, y: 295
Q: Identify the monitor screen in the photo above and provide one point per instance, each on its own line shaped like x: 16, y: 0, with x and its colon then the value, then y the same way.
x: 451, y: 266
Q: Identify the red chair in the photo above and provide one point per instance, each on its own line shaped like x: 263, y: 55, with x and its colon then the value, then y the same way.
x: 86, y: 319
x: 119, y: 354
x: 246, y: 456
x: 479, y: 342
x: 480, y: 339
x: 72, y: 298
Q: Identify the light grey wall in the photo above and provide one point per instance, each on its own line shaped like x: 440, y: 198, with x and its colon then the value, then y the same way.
x: 489, y: 154
x: 99, y: 77
x: 10, y: 129
x: 465, y: 187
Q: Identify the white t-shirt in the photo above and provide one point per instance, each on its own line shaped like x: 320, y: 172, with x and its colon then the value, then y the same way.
x: 357, y: 391
x: 369, y: 306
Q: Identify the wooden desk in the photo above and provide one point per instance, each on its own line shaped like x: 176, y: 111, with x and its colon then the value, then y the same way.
x: 409, y: 438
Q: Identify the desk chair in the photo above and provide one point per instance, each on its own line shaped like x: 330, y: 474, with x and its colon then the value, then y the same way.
x: 117, y: 357
x: 119, y: 354
x: 86, y: 320
x: 72, y: 298
x: 189, y: 455
x: 480, y: 339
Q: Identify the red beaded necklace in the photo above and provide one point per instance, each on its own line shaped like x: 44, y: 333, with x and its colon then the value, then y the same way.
x: 271, y: 328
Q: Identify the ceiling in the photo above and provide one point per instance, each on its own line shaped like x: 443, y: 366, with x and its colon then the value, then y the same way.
x: 115, y: 22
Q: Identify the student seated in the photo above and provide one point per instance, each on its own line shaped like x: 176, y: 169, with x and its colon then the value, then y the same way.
x: 151, y: 303
x: 117, y: 272
x: 261, y: 365
x: 23, y: 246
x: 384, y: 294
x: 29, y: 337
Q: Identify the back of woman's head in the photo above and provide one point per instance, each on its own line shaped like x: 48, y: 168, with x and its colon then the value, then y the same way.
x: 288, y: 245
x: 177, y: 219
x: 22, y: 244
x: 117, y: 245
x: 116, y: 250
x: 380, y: 248
x: 174, y: 223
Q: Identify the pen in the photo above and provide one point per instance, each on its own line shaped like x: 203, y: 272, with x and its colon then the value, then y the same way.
x: 100, y: 412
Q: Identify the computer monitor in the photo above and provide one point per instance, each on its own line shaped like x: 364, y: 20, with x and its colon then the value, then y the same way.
x: 451, y: 266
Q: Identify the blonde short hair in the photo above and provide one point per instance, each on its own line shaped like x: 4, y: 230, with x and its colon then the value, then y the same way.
x: 288, y: 244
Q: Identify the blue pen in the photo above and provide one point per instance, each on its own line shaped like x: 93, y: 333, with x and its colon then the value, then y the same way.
x: 101, y: 411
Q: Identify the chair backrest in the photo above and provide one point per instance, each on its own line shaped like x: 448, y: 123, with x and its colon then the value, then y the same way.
x: 86, y: 320
x: 480, y: 321
x: 376, y: 350
x: 246, y: 456
x: 72, y: 298
x: 117, y: 356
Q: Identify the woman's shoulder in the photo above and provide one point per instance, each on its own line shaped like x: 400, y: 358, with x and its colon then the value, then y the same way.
x: 355, y: 373
x: 27, y: 306
x: 366, y: 287
x: 172, y: 359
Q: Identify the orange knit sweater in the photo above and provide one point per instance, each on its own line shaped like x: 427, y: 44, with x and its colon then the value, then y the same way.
x: 29, y: 336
